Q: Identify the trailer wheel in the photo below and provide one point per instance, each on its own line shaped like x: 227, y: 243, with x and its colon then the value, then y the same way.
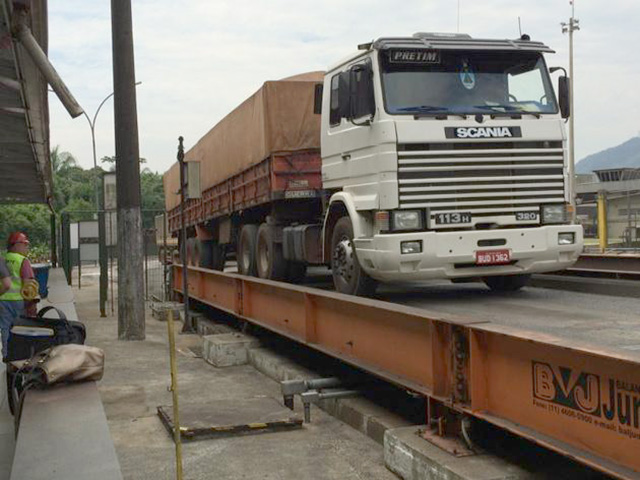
x: 506, y: 283
x: 204, y: 253
x: 218, y: 256
x: 348, y: 275
x: 246, y: 254
x: 270, y: 263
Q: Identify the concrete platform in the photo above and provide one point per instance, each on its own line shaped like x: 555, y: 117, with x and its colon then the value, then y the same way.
x: 413, y: 458
x: 227, y: 349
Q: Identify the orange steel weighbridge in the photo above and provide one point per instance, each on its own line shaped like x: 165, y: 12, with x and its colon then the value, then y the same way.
x: 577, y: 399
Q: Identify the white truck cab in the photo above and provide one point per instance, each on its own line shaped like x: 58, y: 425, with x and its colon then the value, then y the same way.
x: 445, y: 157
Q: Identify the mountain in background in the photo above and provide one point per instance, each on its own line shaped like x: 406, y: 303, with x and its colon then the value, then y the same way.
x: 625, y: 155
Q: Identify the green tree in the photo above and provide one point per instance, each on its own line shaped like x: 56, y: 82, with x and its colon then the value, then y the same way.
x: 74, y: 192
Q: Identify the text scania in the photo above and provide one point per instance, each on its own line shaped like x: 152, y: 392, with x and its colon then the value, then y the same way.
x: 483, y: 132
x: 587, y: 393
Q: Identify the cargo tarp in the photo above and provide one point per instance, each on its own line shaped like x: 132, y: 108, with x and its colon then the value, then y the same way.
x: 277, y: 118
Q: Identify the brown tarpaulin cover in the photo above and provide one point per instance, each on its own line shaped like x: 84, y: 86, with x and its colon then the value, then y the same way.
x: 277, y: 118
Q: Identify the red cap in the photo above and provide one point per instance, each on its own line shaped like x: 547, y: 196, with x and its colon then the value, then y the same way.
x: 17, y: 237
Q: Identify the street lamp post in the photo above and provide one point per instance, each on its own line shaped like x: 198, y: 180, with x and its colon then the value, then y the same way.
x: 102, y: 246
x: 570, y: 27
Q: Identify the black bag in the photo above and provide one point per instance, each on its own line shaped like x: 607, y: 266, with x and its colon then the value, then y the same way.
x: 30, y: 335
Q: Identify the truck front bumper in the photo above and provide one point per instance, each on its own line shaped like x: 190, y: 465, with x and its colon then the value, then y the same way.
x: 453, y: 254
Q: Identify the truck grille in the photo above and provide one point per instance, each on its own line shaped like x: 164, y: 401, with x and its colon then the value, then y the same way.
x: 488, y: 179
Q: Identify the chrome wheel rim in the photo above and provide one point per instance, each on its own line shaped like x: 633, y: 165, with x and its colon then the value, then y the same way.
x: 344, y: 260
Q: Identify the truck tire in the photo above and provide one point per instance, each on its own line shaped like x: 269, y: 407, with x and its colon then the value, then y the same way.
x: 218, y: 256
x: 296, y: 272
x: 204, y: 248
x: 506, y: 283
x: 246, y: 254
x: 348, y: 275
x: 270, y: 263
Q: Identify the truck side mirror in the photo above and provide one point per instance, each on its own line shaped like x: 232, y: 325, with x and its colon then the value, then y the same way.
x: 563, y: 96
x: 362, y: 96
x: 317, y: 99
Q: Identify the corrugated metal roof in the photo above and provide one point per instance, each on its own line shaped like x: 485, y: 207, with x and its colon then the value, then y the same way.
x: 25, y: 169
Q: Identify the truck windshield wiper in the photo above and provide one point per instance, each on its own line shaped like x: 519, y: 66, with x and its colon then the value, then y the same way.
x: 429, y: 111
x: 423, y: 108
x: 506, y: 110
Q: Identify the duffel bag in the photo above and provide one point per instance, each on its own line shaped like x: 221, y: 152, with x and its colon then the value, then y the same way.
x: 30, y: 335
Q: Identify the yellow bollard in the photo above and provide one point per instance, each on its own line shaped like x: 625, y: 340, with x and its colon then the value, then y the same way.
x: 602, y: 221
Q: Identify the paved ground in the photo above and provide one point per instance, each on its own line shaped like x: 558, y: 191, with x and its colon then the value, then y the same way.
x: 136, y: 381
x: 597, y: 319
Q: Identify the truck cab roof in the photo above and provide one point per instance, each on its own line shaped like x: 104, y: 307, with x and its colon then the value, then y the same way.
x: 446, y: 41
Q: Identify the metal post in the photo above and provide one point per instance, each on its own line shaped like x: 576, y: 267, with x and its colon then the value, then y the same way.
x: 186, y: 326
x: 629, y: 241
x: 66, y: 246
x: 570, y: 28
x: 102, y: 254
x: 131, y: 320
x: 602, y: 220
x: 164, y: 256
x: 54, y: 242
x: 145, y: 238
x: 113, y: 311
x: 79, y: 259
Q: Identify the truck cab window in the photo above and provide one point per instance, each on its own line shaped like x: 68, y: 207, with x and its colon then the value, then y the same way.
x: 334, y: 113
x: 468, y: 83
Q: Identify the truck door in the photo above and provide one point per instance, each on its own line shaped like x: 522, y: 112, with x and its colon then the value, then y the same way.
x: 352, y: 136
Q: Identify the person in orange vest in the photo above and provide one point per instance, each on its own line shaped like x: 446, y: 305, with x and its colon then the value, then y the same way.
x: 12, y: 303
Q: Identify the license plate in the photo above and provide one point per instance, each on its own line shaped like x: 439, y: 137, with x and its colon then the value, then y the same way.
x: 493, y: 257
x: 453, y: 218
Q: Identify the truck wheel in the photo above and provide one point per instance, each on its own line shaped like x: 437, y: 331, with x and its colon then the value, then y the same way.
x: 246, y: 254
x: 270, y: 263
x: 296, y: 272
x: 348, y: 276
x: 205, y: 259
x: 506, y: 283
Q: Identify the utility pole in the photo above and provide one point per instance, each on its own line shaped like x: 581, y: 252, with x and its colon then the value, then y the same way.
x: 570, y: 28
x: 131, y: 321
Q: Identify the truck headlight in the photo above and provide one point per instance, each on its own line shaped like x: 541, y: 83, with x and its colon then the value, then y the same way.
x: 566, y: 238
x: 553, y: 213
x: 407, y: 220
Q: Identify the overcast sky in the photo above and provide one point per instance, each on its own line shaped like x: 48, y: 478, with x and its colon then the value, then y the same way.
x: 199, y: 59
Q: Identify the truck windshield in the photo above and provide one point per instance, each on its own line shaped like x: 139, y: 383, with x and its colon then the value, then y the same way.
x: 441, y: 82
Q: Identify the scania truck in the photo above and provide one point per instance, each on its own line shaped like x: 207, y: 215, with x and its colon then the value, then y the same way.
x: 433, y: 156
